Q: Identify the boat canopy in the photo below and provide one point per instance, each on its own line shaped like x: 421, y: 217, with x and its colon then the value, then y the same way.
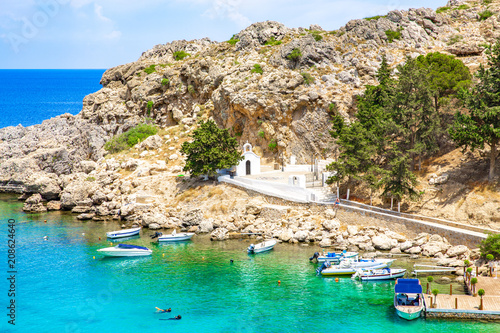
x: 408, y: 286
x: 128, y: 246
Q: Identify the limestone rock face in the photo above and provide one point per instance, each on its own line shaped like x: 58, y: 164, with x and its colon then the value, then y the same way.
x: 331, y: 225
x: 456, y: 251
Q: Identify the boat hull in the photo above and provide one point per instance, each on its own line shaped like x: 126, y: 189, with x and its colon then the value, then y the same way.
x: 175, y: 238
x: 383, y: 276
x: 123, y: 233
x: 337, y: 270
x: 337, y: 258
x: 262, y: 247
x: 119, y: 252
x: 409, y: 314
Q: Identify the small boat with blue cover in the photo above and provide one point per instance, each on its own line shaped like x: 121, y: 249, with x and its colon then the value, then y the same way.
x: 123, y: 233
x: 125, y: 250
x: 408, y: 298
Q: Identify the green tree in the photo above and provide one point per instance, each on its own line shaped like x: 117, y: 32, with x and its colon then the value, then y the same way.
x: 480, y: 126
x: 211, y: 149
x: 491, y: 246
x: 400, y: 181
x: 473, y: 282
x: 446, y: 75
x: 416, y: 122
x: 481, y: 293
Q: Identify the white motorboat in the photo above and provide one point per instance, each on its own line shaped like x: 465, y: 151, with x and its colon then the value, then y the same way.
x: 333, y: 257
x: 173, y: 237
x: 123, y: 233
x: 126, y: 250
x: 408, y: 298
x: 379, y: 274
x: 262, y: 247
x: 345, y: 268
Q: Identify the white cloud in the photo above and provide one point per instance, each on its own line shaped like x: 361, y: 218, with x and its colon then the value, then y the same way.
x: 115, y: 34
x: 98, y: 12
x: 223, y: 9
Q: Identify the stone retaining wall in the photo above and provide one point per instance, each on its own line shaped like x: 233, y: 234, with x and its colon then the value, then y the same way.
x: 462, y: 314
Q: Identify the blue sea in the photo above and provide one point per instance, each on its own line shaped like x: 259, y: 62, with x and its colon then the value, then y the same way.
x: 30, y: 96
x: 62, y: 284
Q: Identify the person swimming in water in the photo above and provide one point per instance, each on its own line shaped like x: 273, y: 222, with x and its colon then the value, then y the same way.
x: 178, y: 317
x: 162, y: 310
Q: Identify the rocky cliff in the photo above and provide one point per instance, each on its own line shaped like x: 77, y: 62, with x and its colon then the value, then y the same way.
x: 268, y: 83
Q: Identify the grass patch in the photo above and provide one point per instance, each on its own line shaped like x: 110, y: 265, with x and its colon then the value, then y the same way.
x: 487, y: 2
x: 485, y: 15
x: 257, y: 69
x: 442, y: 10
x: 150, y: 69
x: 463, y: 7
x: 455, y: 39
x: 188, y: 194
x: 272, y: 41
x: 308, y: 78
x: 261, y: 134
x: 179, y: 55
x: 90, y: 179
x: 233, y: 40
x: 272, y: 145
x: 295, y: 54
x: 392, y: 35
x: 130, y: 137
x: 376, y: 17
x: 191, y: 90
x: 316, y: 35
x: 165, y: 82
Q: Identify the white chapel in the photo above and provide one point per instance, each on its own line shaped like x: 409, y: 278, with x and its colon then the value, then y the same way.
x: 250, y: 165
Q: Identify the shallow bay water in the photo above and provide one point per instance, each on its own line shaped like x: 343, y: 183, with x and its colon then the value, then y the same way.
x: 60, y: 287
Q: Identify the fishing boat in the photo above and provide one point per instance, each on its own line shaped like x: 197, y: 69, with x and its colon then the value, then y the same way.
x: 125, y: 250
x: 349, y: 267
x: 262, y: 247
x: 408, y: 298
x: 123, y: 233
x: 379, y: 274
x: 173, y: 237
x: 332, y: 256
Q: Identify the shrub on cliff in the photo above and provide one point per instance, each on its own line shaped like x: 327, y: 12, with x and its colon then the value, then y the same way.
x: 179, y: 55
x: 130, y: 137
x: 211, y: 149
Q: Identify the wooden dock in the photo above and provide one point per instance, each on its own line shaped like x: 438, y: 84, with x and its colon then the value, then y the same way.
x: 467, y: 306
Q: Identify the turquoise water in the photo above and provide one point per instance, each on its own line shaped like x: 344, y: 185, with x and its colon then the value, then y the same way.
x: 61, y: 288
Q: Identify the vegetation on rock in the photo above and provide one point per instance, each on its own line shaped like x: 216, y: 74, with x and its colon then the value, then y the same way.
x: 130, y: 137
x: 257, y: 69
x: 179, y: 55
x: 211, y: 149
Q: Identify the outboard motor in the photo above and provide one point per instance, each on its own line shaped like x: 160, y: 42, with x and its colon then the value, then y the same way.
x: 315, y: 256
x: 156, y: 234
x: 326, y: 264
x: 251, y: 248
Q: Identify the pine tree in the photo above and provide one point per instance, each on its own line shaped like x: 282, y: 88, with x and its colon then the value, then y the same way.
x: 481, y: 125
x: 211, y: 149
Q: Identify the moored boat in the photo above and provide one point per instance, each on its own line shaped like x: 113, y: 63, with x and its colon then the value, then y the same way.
x: 123, y: 233
x: 262, y: 247
x: 348, y: 267
x: 408, y: 298
x: 379, y: 274
x: 332, y: 256
x: 173, y: 237
x: 125, y: 250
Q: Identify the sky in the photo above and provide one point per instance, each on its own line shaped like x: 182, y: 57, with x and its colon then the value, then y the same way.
x: 105, y: 33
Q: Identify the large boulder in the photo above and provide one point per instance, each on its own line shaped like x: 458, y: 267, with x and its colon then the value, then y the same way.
x: 34, y: 204
x: 45, y: 184
x: 206, y: 226
x: 219, y: 234
x: 192, y: 217
x: 456, y: 251
x: 382, y: 242
x: 431, y: 248
x: 301, y: 235
x: 152, y: 142
x: 286, y: 235
x: 331, y: 225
